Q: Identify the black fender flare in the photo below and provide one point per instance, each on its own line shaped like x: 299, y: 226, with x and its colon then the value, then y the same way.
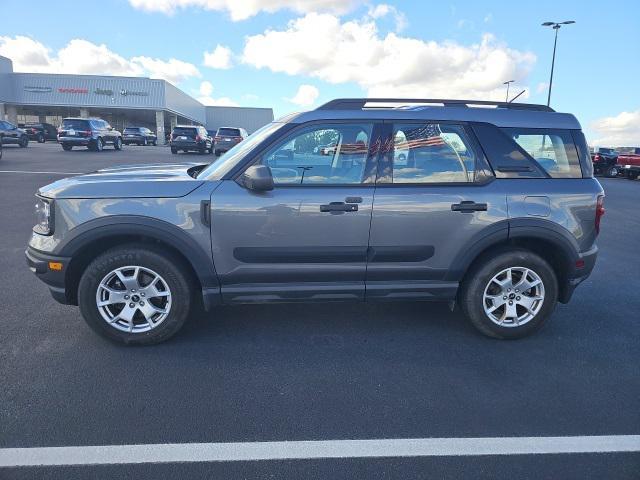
x: 505, y: 230
x: 119, y: 225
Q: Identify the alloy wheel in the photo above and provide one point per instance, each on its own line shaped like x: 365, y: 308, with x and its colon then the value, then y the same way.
x: 513, y: 297
x: 133, y: 299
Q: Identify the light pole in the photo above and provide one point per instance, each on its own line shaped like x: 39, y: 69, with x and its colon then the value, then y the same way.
x: 556, y: 26
x: 507, y: 83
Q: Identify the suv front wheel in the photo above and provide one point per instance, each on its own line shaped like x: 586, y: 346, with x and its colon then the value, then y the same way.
x: 135, y: 296
x: 510, y: 294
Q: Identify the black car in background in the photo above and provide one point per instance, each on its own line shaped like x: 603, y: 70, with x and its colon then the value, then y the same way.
x: 191, y: 138
x: 139, y: 136
x: 228, y: 137
x: 605, y: 162
x: 93, y: 133
x: 40, y: 132
x: 11, y: 134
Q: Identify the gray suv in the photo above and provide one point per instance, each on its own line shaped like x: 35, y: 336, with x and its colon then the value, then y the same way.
x: 494, y: 210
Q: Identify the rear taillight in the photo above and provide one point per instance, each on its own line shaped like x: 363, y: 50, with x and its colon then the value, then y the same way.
x: 237, y: 139
x: 599, y: 212
x: 597, y: 157
x: 87, y: 133
x: 217, y: 138
x: 198, y: 138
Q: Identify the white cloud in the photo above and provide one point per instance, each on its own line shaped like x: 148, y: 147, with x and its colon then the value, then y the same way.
x: 219, y: 58
x: 206, y: 92
x: 321, y: 46
x: 488, y: 17
x: 383, y: 10
x: 84, y: 57
x: 172, y: 70
x: 243, y: 9
x: 542, y: 87
x: 305, y: 96
x: 622, y: 130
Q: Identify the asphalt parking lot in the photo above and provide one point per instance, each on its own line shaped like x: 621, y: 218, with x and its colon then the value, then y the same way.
x: 316, y: 372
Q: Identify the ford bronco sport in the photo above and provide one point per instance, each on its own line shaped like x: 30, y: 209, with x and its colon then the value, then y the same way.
x: 492, y: 209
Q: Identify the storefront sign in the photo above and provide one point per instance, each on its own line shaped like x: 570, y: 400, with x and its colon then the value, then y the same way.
x: 73, y: 90
x: 102, y: 91
x: 29, y: 88
x: 134, y: 93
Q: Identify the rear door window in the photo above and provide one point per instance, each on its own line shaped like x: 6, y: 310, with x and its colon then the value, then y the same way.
x: 432, y: 153
x: 554, y: 150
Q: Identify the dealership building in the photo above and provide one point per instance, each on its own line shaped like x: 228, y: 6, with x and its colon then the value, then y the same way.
x: 122, y: 101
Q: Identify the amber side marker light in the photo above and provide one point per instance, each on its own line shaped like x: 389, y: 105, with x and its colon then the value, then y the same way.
x: 55, y: 266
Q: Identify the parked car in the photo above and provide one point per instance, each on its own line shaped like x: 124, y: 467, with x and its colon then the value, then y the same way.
x: 228, y: 137
x: 40, y: 132
x: 0, y: 148
x: 605, y: 162
x: 93, y: 133
x: 190, y: 138
x: 630, y: 164
x: 139, y: 136
x: 495, y: 211
x: 11, y: 134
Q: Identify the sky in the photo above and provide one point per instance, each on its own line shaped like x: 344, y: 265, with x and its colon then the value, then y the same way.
x: 294, y: 55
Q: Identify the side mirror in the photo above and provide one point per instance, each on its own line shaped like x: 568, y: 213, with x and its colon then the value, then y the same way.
x: 258, y: 178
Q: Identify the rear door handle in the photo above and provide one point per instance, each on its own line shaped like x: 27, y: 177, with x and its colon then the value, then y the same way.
x: 469, y: 206
x: 339, y: 207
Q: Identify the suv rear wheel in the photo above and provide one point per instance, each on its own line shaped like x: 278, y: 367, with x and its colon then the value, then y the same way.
x: 135, y: 296
x: 24, y: 141
x: 96, y: 145
x: 510, y: 294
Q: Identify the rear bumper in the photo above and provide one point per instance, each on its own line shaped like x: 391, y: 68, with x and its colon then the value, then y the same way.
x: 188, y: 145
x: 578, y: 275
x: 38, y: 263
x: 80, y: 141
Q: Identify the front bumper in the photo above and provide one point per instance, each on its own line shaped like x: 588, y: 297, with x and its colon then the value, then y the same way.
x: 578, y: 275
x: 39, y: 263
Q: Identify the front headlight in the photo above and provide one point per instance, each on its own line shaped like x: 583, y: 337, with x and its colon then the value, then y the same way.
x: 44, y: 216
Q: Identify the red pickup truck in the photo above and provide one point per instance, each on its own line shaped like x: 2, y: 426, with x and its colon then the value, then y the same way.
x: 630, y: 164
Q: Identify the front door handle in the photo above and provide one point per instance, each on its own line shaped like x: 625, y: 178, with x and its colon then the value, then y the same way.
x: 469, y: 206
x: 339, y: 207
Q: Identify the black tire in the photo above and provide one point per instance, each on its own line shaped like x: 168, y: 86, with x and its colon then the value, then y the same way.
x: 96, y: 145
x: 166, y: 265
x: 117, y: 144
x: 24, y: 141
x: 210, y: 151
x: 217, y: 153
x: 66, y: 147
x: 612, y: 171
x: 41, y: 138
x: 155, y: 143
x: 476, y: 280
x: 174, y: 151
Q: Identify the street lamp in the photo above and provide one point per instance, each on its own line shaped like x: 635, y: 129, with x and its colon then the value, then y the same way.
x: 556, y: 26
x: 507, y: 83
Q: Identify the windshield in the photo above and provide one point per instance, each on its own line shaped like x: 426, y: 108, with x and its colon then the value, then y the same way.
x: 131, y: 130
x: 218, y: 169
x: 229, y: 132
x: 73, y: 123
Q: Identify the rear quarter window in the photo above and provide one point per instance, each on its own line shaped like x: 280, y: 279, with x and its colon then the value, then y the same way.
x: 554, y: 150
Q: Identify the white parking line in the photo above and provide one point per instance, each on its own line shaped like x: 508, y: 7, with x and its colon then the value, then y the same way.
x: 30, y: 171
x: 251, y: 451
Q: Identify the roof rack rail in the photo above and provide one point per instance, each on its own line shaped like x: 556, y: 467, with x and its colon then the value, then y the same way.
x: 360, y: 103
